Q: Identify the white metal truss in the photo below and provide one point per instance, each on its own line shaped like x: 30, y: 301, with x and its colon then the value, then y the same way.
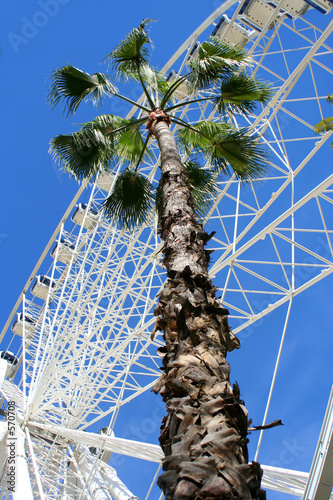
x: 85, y: 351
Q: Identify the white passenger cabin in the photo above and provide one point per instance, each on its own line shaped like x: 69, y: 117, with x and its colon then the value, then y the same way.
x: 11, y: 362
x: 193, y: 54
x: 294, y: 7
x: 26, y: 324
x: 231, y: 35
x: 86, y: 217
x: 256, y: 13
x: 105, y: 180
x: 63, y: 251
x: 42, y: 287
x: 324, y: 6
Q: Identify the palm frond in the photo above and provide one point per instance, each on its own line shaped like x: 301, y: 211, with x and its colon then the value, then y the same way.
x: 114, y: 125
x: 154, y: 81
x: 226, y: 148
x: 203, y: 184
x: 130, y: 201
x: 199, y: 136
x: 171, y: 89
x: 73, y: 86
x: 130, y: 142
x: 132, y: 52
x: 84, y: 153
x: 324, y: 125
x: 241, y: 93
x: 108, y: 123
x: 243, y: 152
x: 215, y: 60
x: 164, y: 87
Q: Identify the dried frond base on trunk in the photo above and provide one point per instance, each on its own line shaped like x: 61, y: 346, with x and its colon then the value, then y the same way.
x: 204, y: 435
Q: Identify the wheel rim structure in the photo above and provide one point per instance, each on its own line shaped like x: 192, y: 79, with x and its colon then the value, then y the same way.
x: 87, y: 352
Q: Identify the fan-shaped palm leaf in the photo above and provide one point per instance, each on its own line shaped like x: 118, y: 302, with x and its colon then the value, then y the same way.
x: 163, y: 87
x: 84, y: 153
x: 132, y: 52
x: 73, y: 86
x: 200, y: 135
x: 203, y: 184
x: 171, y: 89
x: 324, y: 125
x: 131, y: 199
x: 214, y: 60
x: 108, y: 123
x: 130, y: 143
x: 156, y: 83
x: 241, y: 93
x: 114, y: 125
x: 242, y: 151
x: 225, y: 147
x: 148, y: 75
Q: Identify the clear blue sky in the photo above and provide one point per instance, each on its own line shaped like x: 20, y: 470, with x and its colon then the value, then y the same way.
x: 34, y: 195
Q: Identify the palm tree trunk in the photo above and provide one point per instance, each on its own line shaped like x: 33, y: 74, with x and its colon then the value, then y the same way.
x: 204, y: 433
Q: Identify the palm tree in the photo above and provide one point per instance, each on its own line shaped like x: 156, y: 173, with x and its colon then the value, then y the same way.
x: 326, y: 124
x: 204, y: 435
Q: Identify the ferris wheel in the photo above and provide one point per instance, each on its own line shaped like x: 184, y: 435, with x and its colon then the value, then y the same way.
x: 77, y: 359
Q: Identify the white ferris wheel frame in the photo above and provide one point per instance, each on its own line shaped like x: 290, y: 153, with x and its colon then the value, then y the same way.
x: 106, y: 289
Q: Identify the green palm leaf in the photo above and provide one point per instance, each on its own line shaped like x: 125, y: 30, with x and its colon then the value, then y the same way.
x: 225, y: 147
x: 148, y: 75
x: 241, y: 93
x: 131, y: 199
x: 215, y: 60
x: 108, y: 123
x: 164, y: 87
x: 243, y: 152
x: 132, y: 52
x: 106, y: 138
x: 156, y: 83
x: 83, y: 153
x: 73, y: 86
x: 130, y: 143
x: 200, y: 136
x: 203, y: 184
x: 170, y: 90
x: 324, y: 125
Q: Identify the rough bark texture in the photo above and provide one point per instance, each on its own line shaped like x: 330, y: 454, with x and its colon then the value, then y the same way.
x: 204, y: 435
